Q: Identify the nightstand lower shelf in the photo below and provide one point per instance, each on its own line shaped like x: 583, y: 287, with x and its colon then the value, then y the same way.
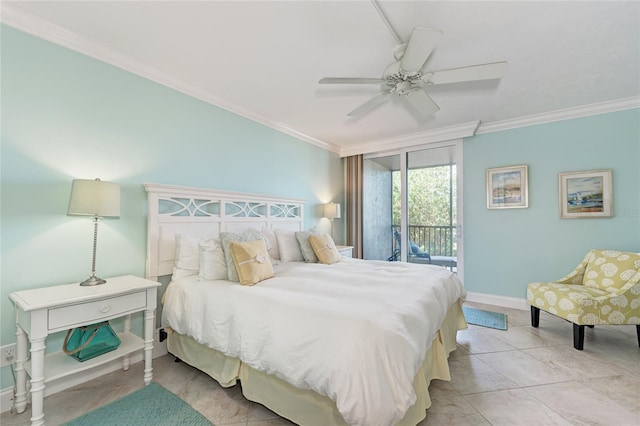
x: 59, y: 364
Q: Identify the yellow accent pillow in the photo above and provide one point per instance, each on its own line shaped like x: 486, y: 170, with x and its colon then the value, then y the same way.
x: 609, y: 270
x: 324, y: 248
x: 251, y: 259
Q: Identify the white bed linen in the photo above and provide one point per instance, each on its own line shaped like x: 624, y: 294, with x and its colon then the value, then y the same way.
x: 355, y: 331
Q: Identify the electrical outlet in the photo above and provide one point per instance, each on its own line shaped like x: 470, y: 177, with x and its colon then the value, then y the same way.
x: 7, y: 355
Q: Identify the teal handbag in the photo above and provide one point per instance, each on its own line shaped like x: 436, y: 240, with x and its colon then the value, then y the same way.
x: 89, y: 341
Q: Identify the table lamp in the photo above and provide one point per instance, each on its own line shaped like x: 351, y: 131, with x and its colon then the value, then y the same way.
x: 331, y: 212
x: 98, y: 199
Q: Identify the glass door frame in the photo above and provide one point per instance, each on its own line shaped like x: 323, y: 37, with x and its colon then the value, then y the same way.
x: 404, y: 219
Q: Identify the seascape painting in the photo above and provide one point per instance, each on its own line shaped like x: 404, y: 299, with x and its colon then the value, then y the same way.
x: 585, y: 194
x: 507, y: 187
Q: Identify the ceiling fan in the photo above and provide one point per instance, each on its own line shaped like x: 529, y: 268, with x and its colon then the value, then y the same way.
x: 407, y: 77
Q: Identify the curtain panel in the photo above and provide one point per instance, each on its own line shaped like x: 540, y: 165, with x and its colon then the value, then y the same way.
x: 354, y: 204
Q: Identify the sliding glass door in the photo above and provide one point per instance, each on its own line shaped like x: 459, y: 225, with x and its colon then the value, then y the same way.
x: 432, y: 206
x: 411, y: 203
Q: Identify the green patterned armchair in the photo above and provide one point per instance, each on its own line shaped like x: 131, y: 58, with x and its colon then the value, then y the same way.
x: 603, y: 289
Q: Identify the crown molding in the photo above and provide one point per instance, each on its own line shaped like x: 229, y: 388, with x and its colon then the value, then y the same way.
x: 561, y: 114
x: 458, y: 131
x: 17, y: 18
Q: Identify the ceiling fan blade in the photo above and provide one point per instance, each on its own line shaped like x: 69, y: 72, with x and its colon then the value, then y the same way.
x: 422, y: 102
x: 419, y: 47
x: 369, y: 105
x: 471, y: 73
x: 351, y: 80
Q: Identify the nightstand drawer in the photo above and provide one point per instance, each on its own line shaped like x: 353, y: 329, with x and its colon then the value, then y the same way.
x: 70, y: 316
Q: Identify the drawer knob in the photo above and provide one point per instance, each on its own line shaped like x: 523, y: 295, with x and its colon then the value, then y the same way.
x: 105, y: 309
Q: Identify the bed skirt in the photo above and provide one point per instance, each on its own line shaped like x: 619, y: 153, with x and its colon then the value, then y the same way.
x: 307, y: 407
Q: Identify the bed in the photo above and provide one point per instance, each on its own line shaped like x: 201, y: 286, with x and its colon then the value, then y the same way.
x: 355, y: 342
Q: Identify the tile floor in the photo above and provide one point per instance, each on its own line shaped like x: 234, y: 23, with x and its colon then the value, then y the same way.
x: 522, y: 376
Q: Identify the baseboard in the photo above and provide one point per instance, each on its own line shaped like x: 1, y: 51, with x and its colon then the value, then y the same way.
x: 6, y: 399
x: 504, y: 301
x: 6, y: 395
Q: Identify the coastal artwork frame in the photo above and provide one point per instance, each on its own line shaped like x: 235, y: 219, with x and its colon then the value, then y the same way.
x: 585, y: 194
x: 508, y: 187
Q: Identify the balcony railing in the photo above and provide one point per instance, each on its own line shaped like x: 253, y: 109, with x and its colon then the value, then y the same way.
x: 435, y: 240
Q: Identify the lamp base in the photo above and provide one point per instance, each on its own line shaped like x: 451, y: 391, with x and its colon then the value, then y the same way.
x: 93, y: 280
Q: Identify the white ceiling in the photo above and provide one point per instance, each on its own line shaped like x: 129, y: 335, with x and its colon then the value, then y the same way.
x: 263, y: 59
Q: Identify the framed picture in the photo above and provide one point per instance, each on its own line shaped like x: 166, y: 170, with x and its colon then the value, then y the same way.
x: 508, y: 187
x: 585, y: 194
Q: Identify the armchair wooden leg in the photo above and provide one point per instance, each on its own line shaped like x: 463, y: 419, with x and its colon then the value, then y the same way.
x: 578, y: 336
x: 638, y: 333
x: 535, y: 317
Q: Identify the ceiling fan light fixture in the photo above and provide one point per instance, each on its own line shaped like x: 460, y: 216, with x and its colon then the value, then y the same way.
x: 404, y: 87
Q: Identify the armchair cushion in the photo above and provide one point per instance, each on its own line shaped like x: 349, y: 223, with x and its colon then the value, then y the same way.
x: 584, y: 305
x: 610, y: 270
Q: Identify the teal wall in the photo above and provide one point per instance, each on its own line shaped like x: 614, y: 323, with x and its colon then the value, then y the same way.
x: 66, y: 116
x: 506, y: 249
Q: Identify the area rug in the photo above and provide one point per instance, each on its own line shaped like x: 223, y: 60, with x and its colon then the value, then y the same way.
x: 152, y: 405
x: 485, y: 318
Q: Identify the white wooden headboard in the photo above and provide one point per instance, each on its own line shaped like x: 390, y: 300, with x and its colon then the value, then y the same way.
x: 205, y: 213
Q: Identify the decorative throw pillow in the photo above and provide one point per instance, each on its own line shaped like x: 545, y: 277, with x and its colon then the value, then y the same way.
x: 609, y: 270
x: 272, y: 247
x: 305, y: 247
x: 325, y: 248
x: 252, y: 261
x: 212, y: 263
x: 288, y: 246
x: 226, y: 238
x: 187, y: 260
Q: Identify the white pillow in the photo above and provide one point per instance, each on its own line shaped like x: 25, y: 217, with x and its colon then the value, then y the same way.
x: 305, y: 246
x: 226, y: 238
x: 271, y: 243
x: 187, y: 261
x: 288, y: 246
x: 212, y: 263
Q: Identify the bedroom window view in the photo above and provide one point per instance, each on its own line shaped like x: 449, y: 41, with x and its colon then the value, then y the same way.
x: 431, y: 210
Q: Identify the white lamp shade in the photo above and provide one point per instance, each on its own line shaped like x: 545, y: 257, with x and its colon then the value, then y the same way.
x: 94, y: 198
x: 332, y: 211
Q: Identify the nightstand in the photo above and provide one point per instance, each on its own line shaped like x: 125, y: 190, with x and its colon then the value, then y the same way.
x: 43, y: 311
x: 346, y: 251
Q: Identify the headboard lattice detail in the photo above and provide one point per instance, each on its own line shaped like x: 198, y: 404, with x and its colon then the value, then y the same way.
x: 187, y: 207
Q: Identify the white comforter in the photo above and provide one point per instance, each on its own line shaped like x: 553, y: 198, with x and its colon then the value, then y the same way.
x: 355, y: 331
